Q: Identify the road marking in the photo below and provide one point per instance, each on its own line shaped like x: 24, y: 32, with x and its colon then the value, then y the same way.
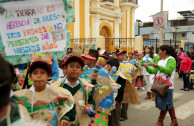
x: 176, y: 95
x: 185, y: 110
x: 149, y: 104
x: 144, y: 105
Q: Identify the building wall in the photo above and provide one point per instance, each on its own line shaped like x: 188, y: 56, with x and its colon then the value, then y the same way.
x: 91, y: 15
x: 168, y: 36
x: 188, y: 30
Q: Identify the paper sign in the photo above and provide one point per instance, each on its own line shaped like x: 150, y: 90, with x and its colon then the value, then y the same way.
x: 77, y: 51
x: 126, y: 69
x: 158, y: 21
x: 93, y: 46
x: 87, y: 49
x: 58, y: 35
x: 42, y: 57
x: 33, y: 26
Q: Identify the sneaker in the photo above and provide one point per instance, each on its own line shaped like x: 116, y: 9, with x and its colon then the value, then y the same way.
x: 186, y: 89
x: 182, y: 89
x: 135, y: 87
x: 142, y: 88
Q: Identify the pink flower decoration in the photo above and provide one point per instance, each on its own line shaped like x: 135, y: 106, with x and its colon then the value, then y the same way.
x: 21, y: 100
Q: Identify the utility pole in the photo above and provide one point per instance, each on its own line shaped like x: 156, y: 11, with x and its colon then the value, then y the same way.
x: 161, y: 29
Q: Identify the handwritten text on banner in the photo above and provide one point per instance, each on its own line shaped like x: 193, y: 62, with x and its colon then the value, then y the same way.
x: 33, y: 26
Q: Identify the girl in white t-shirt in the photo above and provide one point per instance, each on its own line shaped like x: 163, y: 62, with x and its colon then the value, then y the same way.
x: 148, y: 58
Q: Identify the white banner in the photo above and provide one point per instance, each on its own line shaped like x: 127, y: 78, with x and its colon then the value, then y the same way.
x: 33, y: 26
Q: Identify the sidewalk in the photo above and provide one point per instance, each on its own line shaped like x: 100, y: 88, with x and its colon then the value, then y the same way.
x: 147, y: 114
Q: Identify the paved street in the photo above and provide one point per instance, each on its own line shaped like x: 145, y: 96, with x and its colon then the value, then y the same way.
x: 147, y: 114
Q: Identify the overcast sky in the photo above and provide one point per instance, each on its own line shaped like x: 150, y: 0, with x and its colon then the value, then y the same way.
x: 149, y: 7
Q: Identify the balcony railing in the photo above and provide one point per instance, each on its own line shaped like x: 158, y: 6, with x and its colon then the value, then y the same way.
x: 131, y: 1
x: 108, y: 1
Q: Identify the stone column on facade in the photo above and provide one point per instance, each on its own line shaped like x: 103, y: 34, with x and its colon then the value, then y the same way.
x: 126, y: 23
x: 139, y: 43
x: 77, y: 21
x: 133, y: 25
x: 95, y: 26
x: 87, y: 18
x: 116, y: 31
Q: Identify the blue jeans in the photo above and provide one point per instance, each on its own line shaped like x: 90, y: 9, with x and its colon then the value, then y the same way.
x: 186, y: 80
x: 165, y: 102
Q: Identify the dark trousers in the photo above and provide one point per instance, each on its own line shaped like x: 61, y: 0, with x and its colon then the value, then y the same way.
x: 114, y: 119
x: 186, y: 80
x: 124, y: 110
x: 179, y: 64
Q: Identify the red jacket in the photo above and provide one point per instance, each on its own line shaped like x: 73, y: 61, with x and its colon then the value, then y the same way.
x: 186, y: 64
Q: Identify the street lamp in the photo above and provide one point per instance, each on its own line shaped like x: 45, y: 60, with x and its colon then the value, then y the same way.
x: 176, y: 30
x: 139, y: 23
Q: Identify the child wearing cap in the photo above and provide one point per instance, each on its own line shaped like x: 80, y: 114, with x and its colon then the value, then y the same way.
x: 105, y: 56
x: 90, y: 61
x: 42, y: 101
x: 102, y: 71
x: 127, y: 70
x: 131, y: 59
x: 80, y: 89
x: 114, y: 119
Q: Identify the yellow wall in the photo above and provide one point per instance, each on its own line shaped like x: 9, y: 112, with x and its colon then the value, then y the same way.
x: 87, y: 19
x: 82, y: 18
x: 88, y: 23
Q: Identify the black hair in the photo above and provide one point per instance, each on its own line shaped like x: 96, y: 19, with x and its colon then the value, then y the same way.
x: 151, y: 51
x: 117, y: 51
x: 39, y: 65
x: 189, y: 55
x: 73, y: 60
x: 181, y: 48
x: 98, y: 48
x: 93, y: 53
x: 69, y: 52
x: 113, y: 62
x: 152, y: 47
x: 7, y: 76
x: 169, y: 50
x: 191, y: 48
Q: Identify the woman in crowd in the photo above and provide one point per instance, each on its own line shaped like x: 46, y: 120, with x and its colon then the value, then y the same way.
x: 180, y: 57
x: 148, y: 58
x: 166, y: 69
x: 184, y: 70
